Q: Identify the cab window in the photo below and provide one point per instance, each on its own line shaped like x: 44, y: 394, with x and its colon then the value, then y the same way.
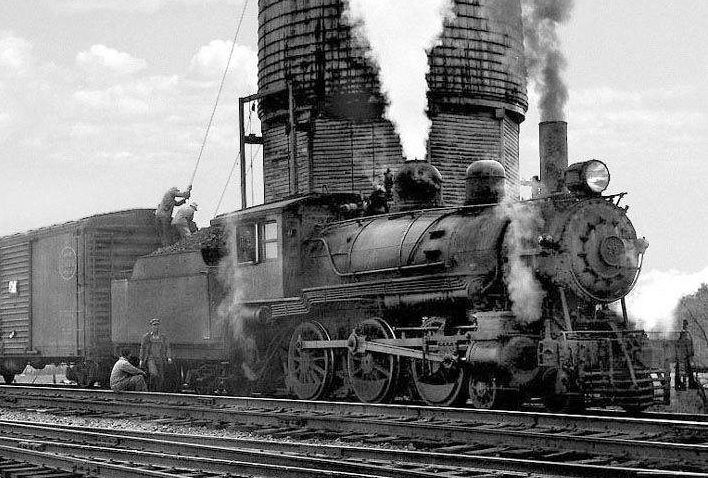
x: 270, y: 240
x: 246, y: 244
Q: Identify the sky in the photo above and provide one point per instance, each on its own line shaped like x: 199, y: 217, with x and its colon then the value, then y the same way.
x: 104, y: 104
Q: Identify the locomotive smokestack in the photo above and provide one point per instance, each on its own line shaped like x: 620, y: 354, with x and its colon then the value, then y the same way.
x: 553, y: 149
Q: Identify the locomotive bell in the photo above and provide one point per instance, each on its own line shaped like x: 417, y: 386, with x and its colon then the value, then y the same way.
x: 484, y: 182
x: 417, y: 185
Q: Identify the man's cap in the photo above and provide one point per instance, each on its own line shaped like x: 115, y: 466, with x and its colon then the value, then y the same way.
x: 194, y: 205
x: 154, y: 321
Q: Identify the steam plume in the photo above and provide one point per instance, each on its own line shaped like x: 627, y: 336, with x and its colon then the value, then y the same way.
x: 652, y: 304
x: 399, y: 33
x: 525, y: 291
x: 243, y: 341
x: 544, y: 59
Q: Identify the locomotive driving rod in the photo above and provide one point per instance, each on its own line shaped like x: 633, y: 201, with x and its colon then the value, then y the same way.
x: 359, y: 345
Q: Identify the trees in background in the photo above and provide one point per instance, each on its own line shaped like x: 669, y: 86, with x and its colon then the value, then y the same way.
x: 694, y: 309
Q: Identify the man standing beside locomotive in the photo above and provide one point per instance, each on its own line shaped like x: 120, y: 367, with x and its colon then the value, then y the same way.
x: 684, y: 359
x: 163, y: 213
x: 155, y: 353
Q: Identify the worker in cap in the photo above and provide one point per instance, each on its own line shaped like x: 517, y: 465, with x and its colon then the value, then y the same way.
x: 184, y: 220
x: 155, y: 354
x: 163, y: 213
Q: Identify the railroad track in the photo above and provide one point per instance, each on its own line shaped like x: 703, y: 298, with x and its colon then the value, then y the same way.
x: 519, y: 441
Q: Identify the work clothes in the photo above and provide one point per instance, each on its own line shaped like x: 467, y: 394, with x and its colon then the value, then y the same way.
x: 169, y: 201
x: 184, y: 221
x: 163, y: 213
x: 684, y: 359
x: 155, y: 351
x: 125, y: 377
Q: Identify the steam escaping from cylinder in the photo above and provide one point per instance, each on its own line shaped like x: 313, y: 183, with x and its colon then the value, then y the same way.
x: 399, y: 33
x: 545, y: 61
x: 525, y: 291
x: 242, y: 343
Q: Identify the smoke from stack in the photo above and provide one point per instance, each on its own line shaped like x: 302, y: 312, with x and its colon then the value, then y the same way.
x: 545, y: 61
x: 399, y: 33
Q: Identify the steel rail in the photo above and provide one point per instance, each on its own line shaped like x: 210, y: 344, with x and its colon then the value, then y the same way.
x: 609, y: 442
x: 170, y: 451
x: 214, y: 446
x: 601, y: 422
x: 81, y: 466
x: 144, y: 463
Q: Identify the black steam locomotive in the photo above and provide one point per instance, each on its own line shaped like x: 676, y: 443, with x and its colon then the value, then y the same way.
x: 490, y: 302
x: 317, y: 296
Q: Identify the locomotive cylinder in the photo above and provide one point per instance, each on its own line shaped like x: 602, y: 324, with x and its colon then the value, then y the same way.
x: 553, y: 150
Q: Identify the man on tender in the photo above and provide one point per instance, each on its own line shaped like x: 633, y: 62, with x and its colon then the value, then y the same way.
x: 163, y: 213
x: 126, y: 377
x: 184, y: 220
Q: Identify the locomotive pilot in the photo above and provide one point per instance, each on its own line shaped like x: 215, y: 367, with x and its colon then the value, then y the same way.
x: 163, y: 213
x: 155, y: 353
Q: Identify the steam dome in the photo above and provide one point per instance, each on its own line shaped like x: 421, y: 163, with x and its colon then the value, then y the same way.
x: 417, y: 185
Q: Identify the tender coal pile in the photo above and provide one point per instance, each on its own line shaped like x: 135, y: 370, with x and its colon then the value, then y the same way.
x: 207, y: 238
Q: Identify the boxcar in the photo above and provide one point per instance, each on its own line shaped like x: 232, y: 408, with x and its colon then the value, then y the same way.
x: 55, y: 287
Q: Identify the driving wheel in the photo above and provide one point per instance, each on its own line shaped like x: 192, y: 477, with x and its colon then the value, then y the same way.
x: 373, y: 375
x: 439, y: 383
x: 309, y: 370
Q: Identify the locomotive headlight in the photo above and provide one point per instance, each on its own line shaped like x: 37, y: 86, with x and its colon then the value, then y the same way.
x: 588, y: 177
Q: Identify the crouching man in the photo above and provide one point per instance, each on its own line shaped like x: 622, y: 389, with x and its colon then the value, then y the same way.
x: 126, y: 377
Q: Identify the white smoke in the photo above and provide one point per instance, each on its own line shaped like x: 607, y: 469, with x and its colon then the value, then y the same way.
x: 652, y: 303
x: 525, y: 291
x: 243, y: 342
x: 399, y: 34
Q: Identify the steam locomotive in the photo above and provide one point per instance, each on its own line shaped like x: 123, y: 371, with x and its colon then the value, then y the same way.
x: 316, y: 296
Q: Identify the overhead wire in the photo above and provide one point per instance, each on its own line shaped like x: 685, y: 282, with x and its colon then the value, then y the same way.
x: 228, y: 179
x: 218, y: 95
